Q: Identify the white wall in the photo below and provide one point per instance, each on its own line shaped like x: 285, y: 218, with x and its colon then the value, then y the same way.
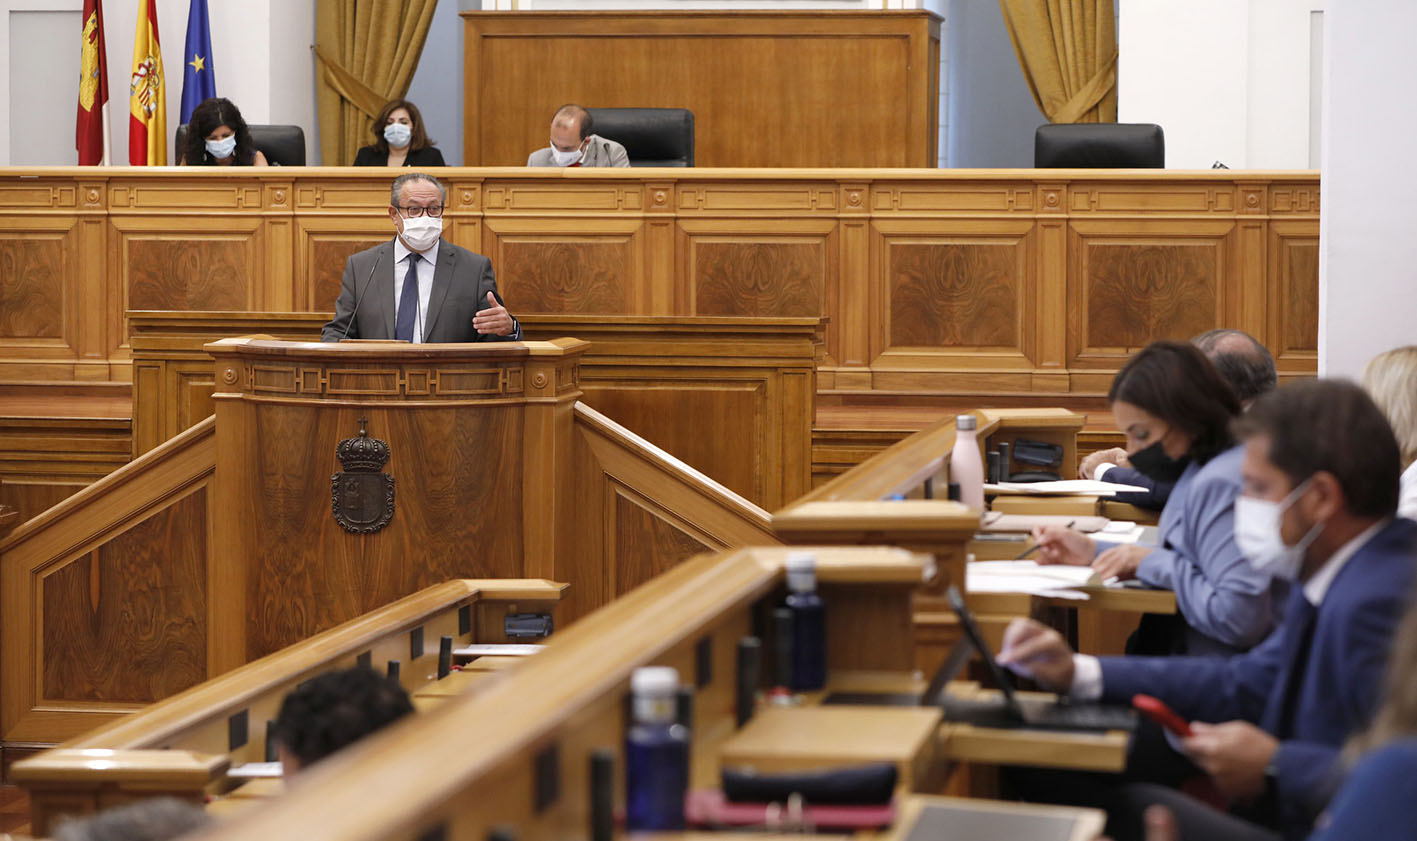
x: 261, y: 54
x: 1227, y: 80
x: 1367, y: 250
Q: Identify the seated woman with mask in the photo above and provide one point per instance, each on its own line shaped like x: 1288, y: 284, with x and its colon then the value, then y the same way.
x: 217, y: 136
x: 1175, y: 412
x: 399, y: 139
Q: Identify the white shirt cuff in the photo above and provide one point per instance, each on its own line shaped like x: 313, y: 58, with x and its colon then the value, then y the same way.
x: 1102, y: 470
x: 1087, y: 678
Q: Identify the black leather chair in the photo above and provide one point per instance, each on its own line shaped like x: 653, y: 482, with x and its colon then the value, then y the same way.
x: 651, y: 136
x: 1099, y: 146
x: 282, y: 145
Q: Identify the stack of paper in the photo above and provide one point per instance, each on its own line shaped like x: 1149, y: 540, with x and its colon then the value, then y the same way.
x: 1066, y: 487
x: 1029, y: 577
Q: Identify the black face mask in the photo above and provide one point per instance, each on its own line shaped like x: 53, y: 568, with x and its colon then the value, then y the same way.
x: 1153, y: 463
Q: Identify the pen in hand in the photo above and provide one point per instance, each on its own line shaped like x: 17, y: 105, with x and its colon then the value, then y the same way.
x: 1030, y: 550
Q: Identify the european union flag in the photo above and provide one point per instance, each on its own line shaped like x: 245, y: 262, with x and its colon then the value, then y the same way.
x: 198, y: 79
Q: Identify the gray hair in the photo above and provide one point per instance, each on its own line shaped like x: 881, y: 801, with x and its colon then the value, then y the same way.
x: 1391, y: 379
x: 396, y: 191
x: 1241, y: 361
x: 157, y: 819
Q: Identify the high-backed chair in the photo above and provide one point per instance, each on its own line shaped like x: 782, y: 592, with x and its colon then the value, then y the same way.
x: 282, y: 145
x: 651, y: 136
x: 1099, y: 146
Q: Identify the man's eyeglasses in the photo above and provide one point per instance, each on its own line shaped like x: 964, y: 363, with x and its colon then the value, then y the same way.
x: 413, y: 211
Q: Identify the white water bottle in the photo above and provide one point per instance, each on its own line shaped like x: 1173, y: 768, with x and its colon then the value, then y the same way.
x: 966, y: 468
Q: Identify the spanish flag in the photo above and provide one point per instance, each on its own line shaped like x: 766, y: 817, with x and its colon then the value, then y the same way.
x: 91, y: 125
x: 147, y: 93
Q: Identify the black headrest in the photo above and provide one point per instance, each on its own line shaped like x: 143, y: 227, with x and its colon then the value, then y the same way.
x: 282, y: 145
x: 651, y: 136
x: 1099, y: 146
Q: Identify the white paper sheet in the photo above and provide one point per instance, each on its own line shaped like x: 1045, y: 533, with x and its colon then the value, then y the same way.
x: 1066, y: 487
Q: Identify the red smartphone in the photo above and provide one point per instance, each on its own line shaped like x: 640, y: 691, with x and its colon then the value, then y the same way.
x: 1157, y: 711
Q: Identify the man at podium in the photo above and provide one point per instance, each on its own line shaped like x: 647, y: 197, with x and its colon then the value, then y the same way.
x: 418, y: 287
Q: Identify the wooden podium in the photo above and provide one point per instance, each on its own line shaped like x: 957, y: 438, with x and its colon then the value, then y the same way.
x: 474, y: 466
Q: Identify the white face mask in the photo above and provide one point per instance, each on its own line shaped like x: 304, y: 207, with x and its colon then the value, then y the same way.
x: 420, y: 232
x: 223, y: 148
x: 564, y: 158
x: 1257, y: 533
x: 398, y: 134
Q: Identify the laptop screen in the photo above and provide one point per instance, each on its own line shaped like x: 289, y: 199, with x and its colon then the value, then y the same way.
x: 976, y: 637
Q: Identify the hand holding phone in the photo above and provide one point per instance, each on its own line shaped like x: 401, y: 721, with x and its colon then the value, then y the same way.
x: 1157, y: 711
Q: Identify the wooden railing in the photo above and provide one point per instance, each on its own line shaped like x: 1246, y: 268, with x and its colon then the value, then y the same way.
x: 485, y: 760
x: 182, y: 746
x: 73, y: 654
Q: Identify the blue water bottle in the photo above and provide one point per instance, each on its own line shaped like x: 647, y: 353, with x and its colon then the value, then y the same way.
x: 656, y: 753
x: 809, y: 643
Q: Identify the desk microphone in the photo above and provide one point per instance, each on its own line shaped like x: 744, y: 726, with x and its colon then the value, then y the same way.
x: 360, y: 297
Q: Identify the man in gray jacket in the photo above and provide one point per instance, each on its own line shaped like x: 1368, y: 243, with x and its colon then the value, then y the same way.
x: 572, y: 143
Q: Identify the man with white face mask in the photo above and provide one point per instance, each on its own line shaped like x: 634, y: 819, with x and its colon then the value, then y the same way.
x: 419, y: 287
x: 573, y: 144
x: 1321, y: 487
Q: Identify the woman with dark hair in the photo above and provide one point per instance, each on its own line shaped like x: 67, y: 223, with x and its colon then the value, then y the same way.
x: 1175, y: 412
x: 217, y: 136
x: 399, y: 139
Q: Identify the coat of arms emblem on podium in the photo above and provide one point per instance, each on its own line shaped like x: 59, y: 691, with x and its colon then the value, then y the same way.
x: 362, y: 495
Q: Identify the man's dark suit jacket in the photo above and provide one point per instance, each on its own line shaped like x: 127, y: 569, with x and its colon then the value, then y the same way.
x: 461, y: 281
x: 1310, y: 684
x: 1153, y: 499
x: 427, y: 156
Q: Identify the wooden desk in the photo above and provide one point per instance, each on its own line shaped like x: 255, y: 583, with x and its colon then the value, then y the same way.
x: 989, y: 287
x: 1041, y: 748
x: 452, y: 771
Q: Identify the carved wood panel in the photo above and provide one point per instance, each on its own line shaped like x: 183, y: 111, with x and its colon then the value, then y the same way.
x: 646, y: 544
x: 945, y: 294
x: 758, y: 278
x: 544, y: 276
x: 1134, y: 293
x: 32, y: 286
x: 190, y: 274
x: 458, y: 513
x: 127, y: 622
x: 1294, y: 261
x: 327, y: 259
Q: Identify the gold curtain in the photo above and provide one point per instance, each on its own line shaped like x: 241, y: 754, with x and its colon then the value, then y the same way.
x: 1068, y: 52
x: 365, y: 55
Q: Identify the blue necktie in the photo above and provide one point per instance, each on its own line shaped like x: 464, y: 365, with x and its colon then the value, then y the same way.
x: 408, y: 302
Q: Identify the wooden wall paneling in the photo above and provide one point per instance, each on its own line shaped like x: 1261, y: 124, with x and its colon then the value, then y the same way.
x: 959, y: 296
x: 674, y: 241
x: 177, y: 263
x: 1051, y: 282
x: 521, y: 66
x: 41, y: 283
x: 1131, y: 283
x: 322, y: 245
x: 1292, y: 295
x: 107, y: 581
x: 856, y: 309
x: 568, y: 265
x: 126, y: 622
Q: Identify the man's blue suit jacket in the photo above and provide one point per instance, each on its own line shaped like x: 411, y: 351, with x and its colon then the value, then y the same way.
x: 1341, y: 682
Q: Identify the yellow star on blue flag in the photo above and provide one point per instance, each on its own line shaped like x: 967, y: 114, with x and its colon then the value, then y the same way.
x: 199, y: 76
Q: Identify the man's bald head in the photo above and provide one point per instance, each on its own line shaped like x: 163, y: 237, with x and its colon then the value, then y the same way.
x: 570, y: 126
x: 1242, y: 361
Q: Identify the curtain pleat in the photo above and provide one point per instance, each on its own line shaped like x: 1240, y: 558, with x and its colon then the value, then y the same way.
x: 1068, y: 52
